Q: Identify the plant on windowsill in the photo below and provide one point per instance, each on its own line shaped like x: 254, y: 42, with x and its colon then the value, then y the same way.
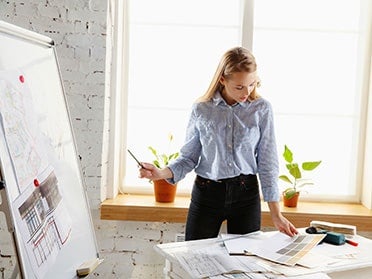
x: 291, y: 194
x: 164, y: 191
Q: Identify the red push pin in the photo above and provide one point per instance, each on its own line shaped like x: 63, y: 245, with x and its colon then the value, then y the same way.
x: 36, y: 182
x: 22, y: 78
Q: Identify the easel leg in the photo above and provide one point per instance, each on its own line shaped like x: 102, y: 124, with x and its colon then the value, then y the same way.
x: 15, y: 271
x: 4, y: 207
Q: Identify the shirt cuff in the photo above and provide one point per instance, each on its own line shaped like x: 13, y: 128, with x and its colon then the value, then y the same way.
x: 270, y: 196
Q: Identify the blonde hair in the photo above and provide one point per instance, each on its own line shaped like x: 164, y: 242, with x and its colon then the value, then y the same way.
x: 237, y: 59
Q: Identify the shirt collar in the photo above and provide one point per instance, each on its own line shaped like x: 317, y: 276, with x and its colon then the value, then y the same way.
x: 217, y: 99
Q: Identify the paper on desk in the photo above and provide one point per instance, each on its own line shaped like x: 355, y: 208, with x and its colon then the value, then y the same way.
x: 264, y: 276
x: 328, y: 254
x: 202, y: 265
x: 314, y: 260
x: 346, y: 257
x: 286, y: 250
x: 205, y: 263
x: 336, y: 251
x: 289, y: 271
x: 238, y: 245
x: 319, y: 259
x: 241, y: 244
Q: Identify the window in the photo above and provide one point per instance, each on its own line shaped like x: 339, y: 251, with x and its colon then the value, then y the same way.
x: 173, y: 54
x: 312, y: 58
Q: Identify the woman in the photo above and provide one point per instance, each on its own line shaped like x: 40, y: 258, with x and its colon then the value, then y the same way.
x: 230, y: 141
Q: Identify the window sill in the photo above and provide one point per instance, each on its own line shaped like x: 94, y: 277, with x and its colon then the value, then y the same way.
x: 145, y: 208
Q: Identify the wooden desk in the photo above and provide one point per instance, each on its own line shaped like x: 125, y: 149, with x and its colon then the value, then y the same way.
x: 359, y: 266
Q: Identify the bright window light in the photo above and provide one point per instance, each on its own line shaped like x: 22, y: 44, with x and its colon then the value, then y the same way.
x: 308, y: 54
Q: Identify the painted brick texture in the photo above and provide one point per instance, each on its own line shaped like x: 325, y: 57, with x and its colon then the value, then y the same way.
x: 78, y: 28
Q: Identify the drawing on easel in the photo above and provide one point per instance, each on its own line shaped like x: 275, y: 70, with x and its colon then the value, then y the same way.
x: 20, y: 128
x: 39, y: 213
x: 44, y: 222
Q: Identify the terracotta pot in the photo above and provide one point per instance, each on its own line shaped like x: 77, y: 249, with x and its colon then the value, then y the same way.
x: 164, y: 191
x: 292, y: 202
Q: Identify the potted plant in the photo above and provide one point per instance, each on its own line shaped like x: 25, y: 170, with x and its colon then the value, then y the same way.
x: 297, y: 182
x: 164, y: 191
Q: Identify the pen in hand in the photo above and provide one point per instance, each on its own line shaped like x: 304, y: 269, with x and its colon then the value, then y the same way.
x: 138, y: 162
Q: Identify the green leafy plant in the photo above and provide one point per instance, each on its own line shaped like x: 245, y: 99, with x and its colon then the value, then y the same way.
x: 161, y: 159
x: 297, y: 181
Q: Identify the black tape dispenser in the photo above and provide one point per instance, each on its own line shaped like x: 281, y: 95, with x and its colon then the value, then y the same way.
x: 331, y: 237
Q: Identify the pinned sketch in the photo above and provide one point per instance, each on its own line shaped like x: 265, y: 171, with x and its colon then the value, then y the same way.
x: 44, y: 223
x: 40, y: 212
x: 20, y: 128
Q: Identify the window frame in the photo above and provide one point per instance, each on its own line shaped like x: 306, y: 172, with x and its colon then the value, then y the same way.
x: 115, y: 116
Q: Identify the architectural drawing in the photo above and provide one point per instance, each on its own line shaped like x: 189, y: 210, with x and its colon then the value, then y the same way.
x: 21, y: 132
x: 36, y: 211
x: 41, y: 216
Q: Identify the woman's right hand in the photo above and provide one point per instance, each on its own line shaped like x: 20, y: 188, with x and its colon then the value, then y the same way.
x: 153, y: 173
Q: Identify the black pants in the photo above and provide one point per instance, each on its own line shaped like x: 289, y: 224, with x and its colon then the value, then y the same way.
x: 236, y: 200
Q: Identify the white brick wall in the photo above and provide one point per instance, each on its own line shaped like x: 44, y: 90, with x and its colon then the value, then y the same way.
x: 78, y: 28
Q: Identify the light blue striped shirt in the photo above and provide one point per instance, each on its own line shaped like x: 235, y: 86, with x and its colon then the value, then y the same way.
x: 224, y: 141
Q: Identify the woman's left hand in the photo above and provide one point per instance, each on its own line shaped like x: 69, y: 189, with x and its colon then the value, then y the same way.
x: 284, y: 226
x: 280, y: 222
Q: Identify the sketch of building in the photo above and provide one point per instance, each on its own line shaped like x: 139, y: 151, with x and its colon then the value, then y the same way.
x: 37, y: 212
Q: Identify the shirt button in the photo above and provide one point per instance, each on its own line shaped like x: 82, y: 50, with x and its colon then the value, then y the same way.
x: 230, y: 164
